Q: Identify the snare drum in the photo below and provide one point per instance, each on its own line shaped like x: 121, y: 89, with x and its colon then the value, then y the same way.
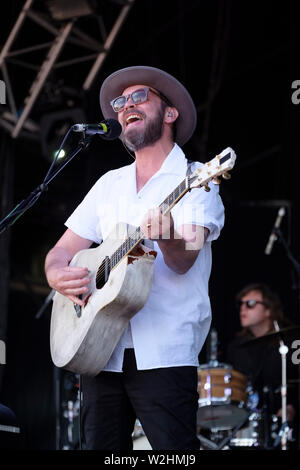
x: 222, y: 397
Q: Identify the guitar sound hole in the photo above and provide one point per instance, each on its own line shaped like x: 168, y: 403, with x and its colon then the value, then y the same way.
x: 103, y: 273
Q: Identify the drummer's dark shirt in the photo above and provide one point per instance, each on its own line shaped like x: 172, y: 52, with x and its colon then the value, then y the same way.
x: 261, y: 363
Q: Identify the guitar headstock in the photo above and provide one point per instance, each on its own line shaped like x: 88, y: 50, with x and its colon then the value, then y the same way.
x: 210, y: 171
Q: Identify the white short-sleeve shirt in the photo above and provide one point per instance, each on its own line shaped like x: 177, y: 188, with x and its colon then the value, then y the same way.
x: 173, y: 324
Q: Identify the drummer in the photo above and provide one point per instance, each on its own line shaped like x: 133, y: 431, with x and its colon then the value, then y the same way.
x: 260, y: 361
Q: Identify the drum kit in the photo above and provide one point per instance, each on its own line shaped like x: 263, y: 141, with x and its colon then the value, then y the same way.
x: 228, y: 415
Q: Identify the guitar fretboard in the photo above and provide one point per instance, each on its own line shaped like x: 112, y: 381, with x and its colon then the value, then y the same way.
x: 217, y: 166
x: 175, y: 195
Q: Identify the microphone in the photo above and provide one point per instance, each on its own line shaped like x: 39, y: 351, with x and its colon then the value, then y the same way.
x: 273, y: 237
x: 109, y: 129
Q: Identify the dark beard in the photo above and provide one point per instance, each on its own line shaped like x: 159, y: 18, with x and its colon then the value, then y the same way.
x: 136, y: 140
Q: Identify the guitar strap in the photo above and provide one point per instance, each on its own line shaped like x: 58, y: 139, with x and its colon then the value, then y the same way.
x: 189, y: 167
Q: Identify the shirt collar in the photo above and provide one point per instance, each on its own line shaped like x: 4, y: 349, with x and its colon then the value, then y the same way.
x: 175, y: 163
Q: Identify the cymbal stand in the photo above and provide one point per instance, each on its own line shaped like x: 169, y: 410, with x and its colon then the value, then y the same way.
x: 234, y: 431
x: 283, y: 350
x: 266, y: 417
x: 213, y: 348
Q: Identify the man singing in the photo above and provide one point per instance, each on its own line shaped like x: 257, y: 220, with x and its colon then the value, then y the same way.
x: 152, y: 373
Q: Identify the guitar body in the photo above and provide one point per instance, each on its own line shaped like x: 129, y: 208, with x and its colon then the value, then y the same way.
x: 83, y: 344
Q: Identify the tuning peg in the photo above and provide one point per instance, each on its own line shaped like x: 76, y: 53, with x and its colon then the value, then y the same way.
x: 226, y: 176
x: 216, y: 180
x: 207, y: 188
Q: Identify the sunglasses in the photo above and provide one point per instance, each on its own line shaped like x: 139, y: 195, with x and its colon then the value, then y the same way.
x: 249, y: 303
x: 137, y: 97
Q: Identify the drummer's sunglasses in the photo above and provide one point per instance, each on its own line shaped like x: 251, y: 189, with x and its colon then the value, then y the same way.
x: 137, y: 97
x: 249, y: 303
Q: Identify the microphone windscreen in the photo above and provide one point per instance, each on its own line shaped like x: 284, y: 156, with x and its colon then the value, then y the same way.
x: 114, y: 129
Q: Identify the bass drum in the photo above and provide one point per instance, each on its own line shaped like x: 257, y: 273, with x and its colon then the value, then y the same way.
x: 222, y: 397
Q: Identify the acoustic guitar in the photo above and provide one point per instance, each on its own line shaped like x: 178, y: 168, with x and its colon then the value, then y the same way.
x: 82, y: 339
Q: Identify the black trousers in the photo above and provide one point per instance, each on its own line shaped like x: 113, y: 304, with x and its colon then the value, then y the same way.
x: 165, y: 401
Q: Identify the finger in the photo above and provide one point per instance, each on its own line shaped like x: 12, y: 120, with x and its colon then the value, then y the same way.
x: 146, y: 224
x: 75, y: 283
x: 68, y: 274
x: 149, y: 218
x: 76, y: 300
x: 75, y: 290
x: 156, y: 214
x: 76, y: 270
x: 154, y: 224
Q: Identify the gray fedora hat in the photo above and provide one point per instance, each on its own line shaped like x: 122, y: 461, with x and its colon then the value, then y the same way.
x: 170, y: 87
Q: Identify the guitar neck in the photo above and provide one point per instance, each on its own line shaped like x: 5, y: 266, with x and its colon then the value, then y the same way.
x: 175, y: 196
x: 219, y: 165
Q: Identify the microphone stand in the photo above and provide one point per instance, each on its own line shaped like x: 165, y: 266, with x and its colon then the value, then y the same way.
x: 45, y: 304
x: 19, y: 210
x: 9, y: 220
x: 283, y: 351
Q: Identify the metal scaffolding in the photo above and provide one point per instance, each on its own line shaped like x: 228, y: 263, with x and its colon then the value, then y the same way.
x: 61, y: 20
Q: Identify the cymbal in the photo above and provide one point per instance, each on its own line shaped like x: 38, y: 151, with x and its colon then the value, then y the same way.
x: 285, y: 334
